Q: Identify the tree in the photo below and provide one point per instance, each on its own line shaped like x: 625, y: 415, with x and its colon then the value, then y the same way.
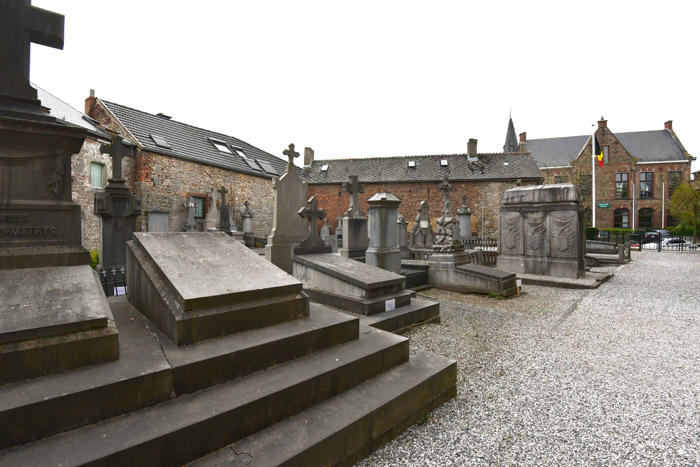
x: 685, y: 205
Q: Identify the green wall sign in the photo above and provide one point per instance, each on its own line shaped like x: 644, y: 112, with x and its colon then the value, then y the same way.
x: 603, y: 205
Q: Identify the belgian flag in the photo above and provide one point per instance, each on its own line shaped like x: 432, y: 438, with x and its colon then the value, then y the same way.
x: 598, y: 151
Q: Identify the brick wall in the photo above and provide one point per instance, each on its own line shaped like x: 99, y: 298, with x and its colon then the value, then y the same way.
x: 335, y: 201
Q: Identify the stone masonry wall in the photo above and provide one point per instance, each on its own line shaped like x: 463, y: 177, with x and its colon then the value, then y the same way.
x: 335, y: 201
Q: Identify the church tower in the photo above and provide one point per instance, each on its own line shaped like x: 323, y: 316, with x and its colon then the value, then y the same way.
x: 512, y: 144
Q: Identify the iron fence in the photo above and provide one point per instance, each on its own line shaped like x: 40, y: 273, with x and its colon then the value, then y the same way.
x: 113, y: 281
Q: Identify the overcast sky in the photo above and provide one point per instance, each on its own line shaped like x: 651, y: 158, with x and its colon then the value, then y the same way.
x: 380, y: 78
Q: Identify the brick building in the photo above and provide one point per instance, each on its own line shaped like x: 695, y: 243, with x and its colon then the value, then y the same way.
x: 482, y: 177
x: 174, y: 161
x: 89, y: 168
x: 633, y: 188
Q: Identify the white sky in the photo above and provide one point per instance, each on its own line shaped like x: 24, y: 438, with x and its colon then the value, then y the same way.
x: 380, y: 78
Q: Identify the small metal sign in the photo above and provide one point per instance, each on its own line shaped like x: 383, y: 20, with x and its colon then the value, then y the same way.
x: 603, y: 205
x: 424, y: 224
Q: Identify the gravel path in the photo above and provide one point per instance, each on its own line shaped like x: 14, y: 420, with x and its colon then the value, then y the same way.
x: 609, y: 376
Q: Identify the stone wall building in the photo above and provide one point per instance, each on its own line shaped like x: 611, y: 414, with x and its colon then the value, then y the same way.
x: 175, y: 161
x: 482, y: 177
x: 633, y: 187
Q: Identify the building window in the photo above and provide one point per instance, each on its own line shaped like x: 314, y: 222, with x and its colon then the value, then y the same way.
x: 621, y: 188
x: 646, y: 185
x: 97, y: 175
x: 621, y: 219
x: 199, y: 206
x: 560, y: 179
x: 606, y: 154
x: 221, y: 146
x: 584, y: 185
x: 646, y: 218
x: 674, y: 179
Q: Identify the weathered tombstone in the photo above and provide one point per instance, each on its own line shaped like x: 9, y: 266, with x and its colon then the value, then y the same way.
x: 339, y: 230
x: 402, y: 237
x: 248, y: 219
x: 212, y: 218
x: 383, y: 251
x: 117, y: 207
x: 328, y: 239
x: 191, y: 223
x: 325, y: 229
x: 158, y: 221
x: 420, y: 241
x: 53, y: 314
x: 542, y: 231
x: 312, y: 243
x: 224, y: 224
x: 355, y: 240
x: 464, y: 214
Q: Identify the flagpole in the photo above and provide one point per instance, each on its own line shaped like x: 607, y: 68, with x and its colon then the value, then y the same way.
x: 593, y: 173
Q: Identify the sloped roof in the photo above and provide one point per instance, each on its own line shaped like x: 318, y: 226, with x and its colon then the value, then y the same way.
x: 427, y: 169
x: 192, y: 143
x: 646, y: 146
x: 512, y: 144
x: 62, y: 111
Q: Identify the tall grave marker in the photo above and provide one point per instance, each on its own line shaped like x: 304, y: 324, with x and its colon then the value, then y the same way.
x: 355, y: 239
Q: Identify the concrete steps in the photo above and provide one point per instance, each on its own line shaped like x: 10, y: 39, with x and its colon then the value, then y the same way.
x: 419, y: 311
x: 348, y: 427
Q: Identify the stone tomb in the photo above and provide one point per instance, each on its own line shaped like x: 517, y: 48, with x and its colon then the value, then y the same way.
x: 379, y: 296
x: 178, y: 280
x: 542, y: 231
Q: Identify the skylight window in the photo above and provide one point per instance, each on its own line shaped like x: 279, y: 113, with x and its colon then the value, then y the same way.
x: 240, y: 152
x: 268, y: 168
x: 221, y: 146
x: 411, y: 164
x: 443, y: 162
x: 160, y: 141
x: 253, y: 164
x: 324, y: 167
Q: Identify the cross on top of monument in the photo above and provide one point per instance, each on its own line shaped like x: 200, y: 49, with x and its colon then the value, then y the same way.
x: 446, y: 187
x: 20, y: 25
x: 291, y: 154
x: 313, y: 214
x: 118, y: 150
x: 354, y: 188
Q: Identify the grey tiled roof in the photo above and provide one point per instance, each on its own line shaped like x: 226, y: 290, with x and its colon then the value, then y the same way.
x: 62, y: 111
x: 428, y: 169
x: 646, y: 146
x: 191, y: 143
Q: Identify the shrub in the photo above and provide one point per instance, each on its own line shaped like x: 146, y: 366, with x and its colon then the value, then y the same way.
x: 94, y: 258
x: 591, y: 233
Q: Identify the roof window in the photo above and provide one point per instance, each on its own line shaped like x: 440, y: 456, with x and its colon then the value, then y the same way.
x: 239, y: 151
x: 221, y: 146
x: 160, y: 141
x: 268, y: 168
x: 411, y: 164
x: 253, y: 164
x: 324, y: 167
x: 443, y: 162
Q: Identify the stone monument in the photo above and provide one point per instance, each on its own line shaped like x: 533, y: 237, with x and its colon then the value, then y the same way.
x: 313, y: 243
x: 53, y: 314
x: 247, y: 219
x: 212, y: 218
x: 383, y: 251
x: 464, y: 214
x: 117, y: 207
x: 288, y: 229
x: 191, y: 222
x: 402, y: 237
x: 420, y: 241
x: 355, y: 240
x: 542, y: 231
x: 224, y: 224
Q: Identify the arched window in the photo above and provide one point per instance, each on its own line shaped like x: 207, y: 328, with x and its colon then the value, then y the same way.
x: 621, y: 219
x: 646, y: 218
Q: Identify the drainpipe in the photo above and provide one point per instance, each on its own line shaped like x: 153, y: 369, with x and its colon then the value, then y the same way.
x: 663, y: 205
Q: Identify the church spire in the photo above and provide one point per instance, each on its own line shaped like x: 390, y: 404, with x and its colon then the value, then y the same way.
x: 512, y: 144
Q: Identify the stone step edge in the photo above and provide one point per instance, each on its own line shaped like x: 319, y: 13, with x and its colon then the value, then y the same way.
x: 212, y: 418
x: 420, y: 311
x: 348, y: 427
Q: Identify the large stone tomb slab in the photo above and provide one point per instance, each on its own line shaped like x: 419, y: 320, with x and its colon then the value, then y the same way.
x: 198, y: 286
x: 542, y: 231
x: 475, y: 278
x: 53, y: 319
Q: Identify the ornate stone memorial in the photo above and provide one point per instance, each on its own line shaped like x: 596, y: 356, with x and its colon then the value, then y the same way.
x: 224, y: 224
x: 247, y: 219
x: 420, y: 240
x: 402, y: 237
x: 383, y: 251
x: 355, y: 239
x: 312, y: 243
x: 464, y: 214
x: 212, y: 218
x: 542, y: 231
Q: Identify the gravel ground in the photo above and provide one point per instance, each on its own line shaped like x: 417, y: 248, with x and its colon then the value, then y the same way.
x: 609, y: 376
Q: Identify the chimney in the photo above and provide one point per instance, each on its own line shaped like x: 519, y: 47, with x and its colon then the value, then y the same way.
x: 668, y: 125
x: 523, y: 141
x: 308, y: 157
x: 471, y: 148
x: 89, y: 101
x: 602, y: 123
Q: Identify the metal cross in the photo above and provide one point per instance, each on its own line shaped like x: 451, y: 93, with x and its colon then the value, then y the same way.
x: 118, y: 150
x: 20, y: 25
x: 291, y: 154
x: 312, y: 213
x: 354, y: 188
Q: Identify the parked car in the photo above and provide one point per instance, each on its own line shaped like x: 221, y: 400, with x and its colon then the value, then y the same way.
x: 651, y: 236
x: 675, y: 241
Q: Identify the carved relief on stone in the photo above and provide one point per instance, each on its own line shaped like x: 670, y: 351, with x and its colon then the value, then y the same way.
x: 58, y: 176
x: 535, y: 233
x: 563, y: 227
x: 510, y: 233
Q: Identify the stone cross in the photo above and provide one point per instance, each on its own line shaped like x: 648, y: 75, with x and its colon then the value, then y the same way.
x: 247, y: 212
x: 118, y: 150
x: 313, y: 214
x: 224, y: 217
x: 354, y: 188
x: 20, y: 25
x: 446, y: 187
x: 291, y: 154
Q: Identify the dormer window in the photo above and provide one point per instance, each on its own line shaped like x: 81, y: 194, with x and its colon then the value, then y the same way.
x: 221, y: 146
x: 411, y: 164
